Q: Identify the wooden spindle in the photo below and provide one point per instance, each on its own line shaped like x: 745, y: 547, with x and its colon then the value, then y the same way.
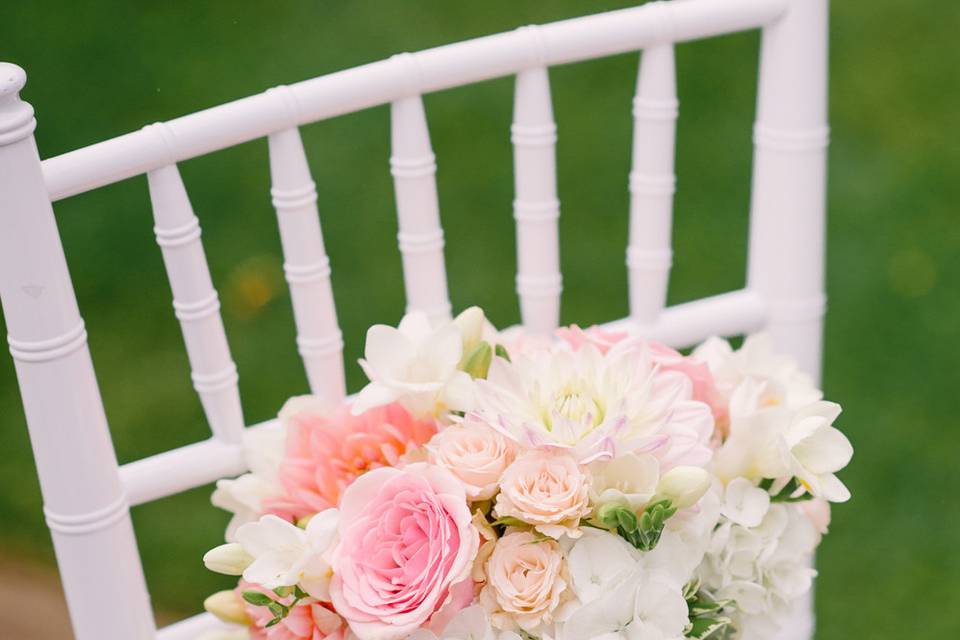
x: 84, y: 504
x: 306, y: 265
x: 420, y: 236
x: 195, y: 301
x: 536, y: 208
x: 652, y: 184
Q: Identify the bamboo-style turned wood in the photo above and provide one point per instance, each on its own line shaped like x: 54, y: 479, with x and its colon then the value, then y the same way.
x: 306, y: 265
x: 84, y: 503
x: 652, y: 183
x: 536, y: 207
x: 195, y: 301
x: 414, y: 169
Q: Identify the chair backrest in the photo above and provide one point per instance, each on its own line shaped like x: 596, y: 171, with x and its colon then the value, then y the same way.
x: 87, y: 495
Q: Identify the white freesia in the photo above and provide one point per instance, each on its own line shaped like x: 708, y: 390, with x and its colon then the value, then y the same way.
x: 227, y: 607
x: 226, y: 634
x: 263, y: 450
x: 415, y: 364
x: 757, y: 360
x: 781, y: 443
x: 744, y: 504
x: 629, y: 479
x: 596, y: 405
x: 684, y: 485
x: 285, y: 555
x: 229, y: 559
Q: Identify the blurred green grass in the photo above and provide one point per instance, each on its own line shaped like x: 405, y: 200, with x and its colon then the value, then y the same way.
x: 890, y: 567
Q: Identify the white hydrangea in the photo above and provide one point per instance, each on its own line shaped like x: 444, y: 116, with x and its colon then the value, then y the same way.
x: 763, y: 568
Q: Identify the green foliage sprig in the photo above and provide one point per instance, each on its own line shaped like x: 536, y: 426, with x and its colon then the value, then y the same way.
x: 786, y: 493
x: 709, y: 618
x: 278, y: 609
x: 643, y: 531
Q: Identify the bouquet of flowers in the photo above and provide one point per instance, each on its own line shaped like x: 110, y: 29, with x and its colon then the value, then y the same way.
x: 507, y: 486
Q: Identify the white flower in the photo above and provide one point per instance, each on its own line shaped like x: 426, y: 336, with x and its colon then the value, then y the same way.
x: 629, y: 479
x: 285, y: 555
x: 757, y: 360
x: 415, y: 364
x: 470, y: 623
x: 228, y: 607
x: 744, y: 504
x: 229, y: 559
x: 596, y: 405
x: 263, y: 450
x: 639, y: 606
x: 597, y: 561
x: 684, y: 486
x: 765, y: 568
x: 781, y: 443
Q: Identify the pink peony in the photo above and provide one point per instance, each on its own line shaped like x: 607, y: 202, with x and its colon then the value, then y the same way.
x: 308, y: 620
x: 328, y: 448
x: 406, y: 542
x: 598, y: 337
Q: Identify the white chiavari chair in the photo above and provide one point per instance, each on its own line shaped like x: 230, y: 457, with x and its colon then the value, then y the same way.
x: 87, y: 495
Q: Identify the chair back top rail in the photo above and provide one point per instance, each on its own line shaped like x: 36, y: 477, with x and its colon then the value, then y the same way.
x: 378, y: 83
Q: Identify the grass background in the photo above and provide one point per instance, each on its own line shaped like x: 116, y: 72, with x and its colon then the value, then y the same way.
x: 890, y: 567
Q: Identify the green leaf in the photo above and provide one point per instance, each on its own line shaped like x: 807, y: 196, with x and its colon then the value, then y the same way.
x: 283, y: 592
x: 501, y: 351
x: 278, y: 609
x: 273, y: 622
x: 508, y: 521
x: 256, y: 598
x: 299, y: 593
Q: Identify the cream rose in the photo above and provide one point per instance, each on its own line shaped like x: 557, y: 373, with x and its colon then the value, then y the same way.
x: 527, y: 581
x: 474, y: 453
x: 548, y: 490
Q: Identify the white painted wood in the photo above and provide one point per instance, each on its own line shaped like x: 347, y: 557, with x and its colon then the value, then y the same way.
x: 379, y: 83
x: 192, y: 628
x: 536, y: 207
x: 788, y: 204
x: 414, y: 169
x: 84, y: 504
x: 195, y: 301
x: 306, y: 266
x: 652, y: 184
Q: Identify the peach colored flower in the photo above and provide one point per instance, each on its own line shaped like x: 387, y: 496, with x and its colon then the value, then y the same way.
x: 308, y: 620
x: 527, y: 580
x: 328, y: 448
x: 546, y: 489
x: 601, y: 339
x: 407, y: 541
x: 474, y: 453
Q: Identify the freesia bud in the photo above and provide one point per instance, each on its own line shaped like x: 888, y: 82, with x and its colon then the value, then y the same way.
x: 477, y: 362
x: 226, y: 606
x: 229, y: 559
x: 683, y: 486
x: 470, y: 323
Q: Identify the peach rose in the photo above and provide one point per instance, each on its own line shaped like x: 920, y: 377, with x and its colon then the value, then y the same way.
x: 474, y: 453
x: 547, y: 489
x: 527, y: 581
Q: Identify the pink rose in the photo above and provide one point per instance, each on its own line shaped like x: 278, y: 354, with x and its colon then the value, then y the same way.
x: 527, y: 581
x: 547, y: 489
x: 474, y: 453
x: 406, y: 541
x: 599, y: 338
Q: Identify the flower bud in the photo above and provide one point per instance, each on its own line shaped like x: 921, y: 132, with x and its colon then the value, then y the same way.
x: 683, y: 486
x: 470, y: 322
x: 229, y: 559
x: 477, y: 362
x: 226, y: 606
